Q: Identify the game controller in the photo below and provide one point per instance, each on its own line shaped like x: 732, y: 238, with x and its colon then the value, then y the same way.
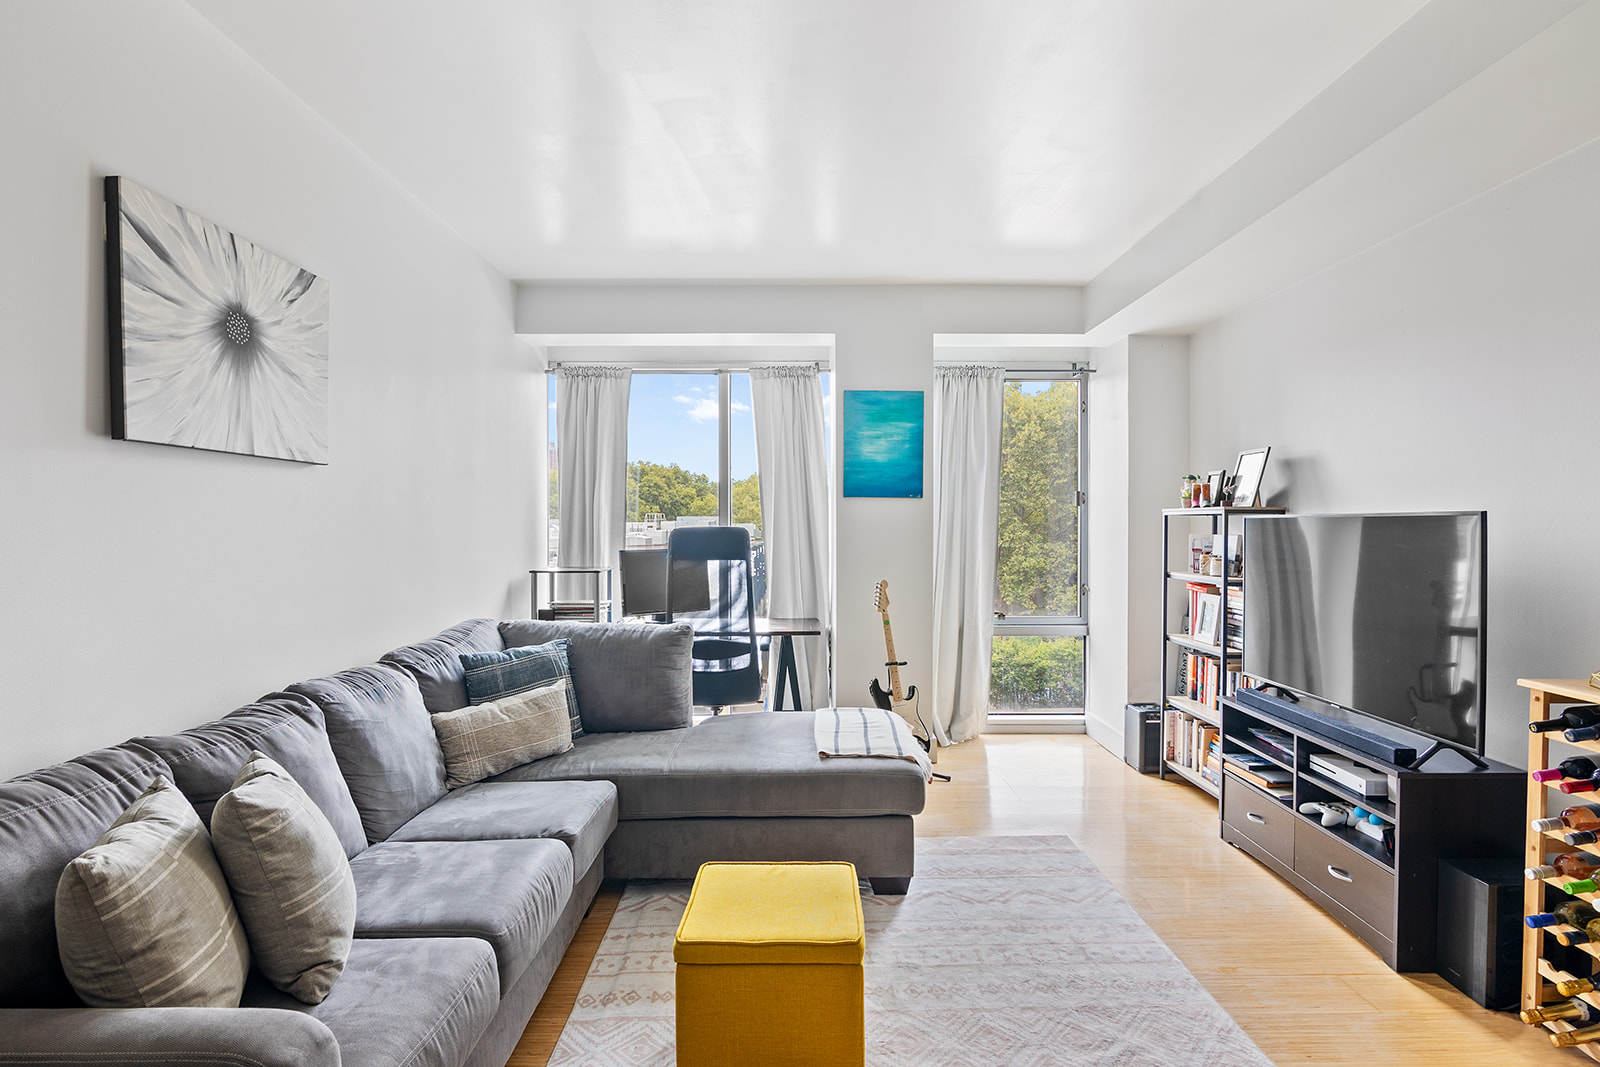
x: 1333, y: 814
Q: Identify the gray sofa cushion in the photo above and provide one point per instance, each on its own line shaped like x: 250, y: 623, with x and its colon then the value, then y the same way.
x: 422, y: 1002
x: 144, y: 918
x: 757, y: 764
x: 492, y: 675
x: 288, y: 729
x: 628, y: 676
x: 48, y: 817
x: 509, y: 893
x: 384, y: 742
x: 581, y: 815
x: 436, y: 662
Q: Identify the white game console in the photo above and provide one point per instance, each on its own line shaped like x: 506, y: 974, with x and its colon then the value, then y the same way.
x: 1350, y: 774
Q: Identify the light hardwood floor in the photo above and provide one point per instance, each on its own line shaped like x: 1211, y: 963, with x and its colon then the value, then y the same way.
x: 1303, y: 988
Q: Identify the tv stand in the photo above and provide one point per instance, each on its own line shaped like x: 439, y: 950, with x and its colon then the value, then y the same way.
x: 1438, y: 747
x: 1433, y: 812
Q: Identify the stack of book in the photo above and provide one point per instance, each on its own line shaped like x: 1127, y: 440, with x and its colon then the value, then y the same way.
x: 1188, y: 739
x: 1276, y: 742
x: 569, y: 611
x: 1261, y: 773
x: 1233, y: 618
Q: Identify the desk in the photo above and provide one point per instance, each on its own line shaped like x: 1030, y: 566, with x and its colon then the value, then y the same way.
x: 786, y: 630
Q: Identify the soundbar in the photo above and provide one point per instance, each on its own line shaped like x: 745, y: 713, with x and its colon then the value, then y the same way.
x: 1334, y: 723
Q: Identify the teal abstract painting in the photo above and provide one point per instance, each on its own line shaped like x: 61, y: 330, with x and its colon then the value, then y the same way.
x: 882, y: 442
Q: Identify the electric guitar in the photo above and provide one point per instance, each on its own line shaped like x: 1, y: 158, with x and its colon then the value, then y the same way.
x: 903, y: 704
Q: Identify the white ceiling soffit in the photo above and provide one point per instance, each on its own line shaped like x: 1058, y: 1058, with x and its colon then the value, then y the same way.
x: 1518, y: 87
x: 916, y: 140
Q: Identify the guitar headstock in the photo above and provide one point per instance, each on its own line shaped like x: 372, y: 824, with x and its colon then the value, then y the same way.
x: 880, y: 597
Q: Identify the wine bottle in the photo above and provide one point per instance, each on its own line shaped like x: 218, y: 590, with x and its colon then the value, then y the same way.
x: 1573, y: 767
x: 1578, y: 715
x: 1583, y: 885
x: 1566, y: 865
x: 1576, y: 1037
x: 1579, y: 913
x: 1580, y: 785
x: 1582, y: 817
x: 1577, y: 1012
x: 1582, y: 733
x: 1574, y: 987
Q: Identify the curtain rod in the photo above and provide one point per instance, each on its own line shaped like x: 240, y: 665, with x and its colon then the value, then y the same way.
x: 677, y: 368
x: 1075, y: 367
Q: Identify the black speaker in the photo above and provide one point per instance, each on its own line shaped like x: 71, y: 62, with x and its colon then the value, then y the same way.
x: 1141, y: 737
x: 1480, y: 929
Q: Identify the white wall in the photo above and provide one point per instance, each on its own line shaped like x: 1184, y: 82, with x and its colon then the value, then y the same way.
x: 1138, y: 438
x: 883, y: 339
x: 145, y: 588
x: 1456, y: 366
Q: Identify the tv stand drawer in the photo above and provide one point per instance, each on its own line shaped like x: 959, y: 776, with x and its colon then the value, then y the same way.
x: 1362, y: 886
x: 1258, y: 816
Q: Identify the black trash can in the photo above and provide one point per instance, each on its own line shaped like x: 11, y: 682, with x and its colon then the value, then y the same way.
x: 1141, y: 738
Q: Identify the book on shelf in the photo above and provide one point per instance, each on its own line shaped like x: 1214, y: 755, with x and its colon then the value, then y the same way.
x: 1211, y: 770
x: 1276, y: 741
x: 1258, y: 772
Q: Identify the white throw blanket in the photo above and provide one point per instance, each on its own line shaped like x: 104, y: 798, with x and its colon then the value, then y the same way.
x: 869, y: 732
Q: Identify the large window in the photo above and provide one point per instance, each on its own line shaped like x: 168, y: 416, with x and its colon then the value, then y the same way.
x: 691, y: 458
x: 1037, y: 654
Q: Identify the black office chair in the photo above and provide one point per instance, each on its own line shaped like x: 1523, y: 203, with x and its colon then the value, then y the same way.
x: 715, y: 560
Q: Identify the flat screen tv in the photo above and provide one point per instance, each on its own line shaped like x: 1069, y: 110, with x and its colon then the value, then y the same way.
x: 1378, y: 614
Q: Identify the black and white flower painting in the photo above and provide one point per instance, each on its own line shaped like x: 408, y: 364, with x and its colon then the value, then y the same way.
x: 216, y: 343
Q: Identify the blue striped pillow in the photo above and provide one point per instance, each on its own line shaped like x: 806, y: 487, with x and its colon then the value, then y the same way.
x: 492, y: 675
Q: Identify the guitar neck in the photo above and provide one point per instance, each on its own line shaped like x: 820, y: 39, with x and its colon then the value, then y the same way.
x: 894, y: 669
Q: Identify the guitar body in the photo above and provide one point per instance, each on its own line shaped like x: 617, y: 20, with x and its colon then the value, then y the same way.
x: 906, y: 709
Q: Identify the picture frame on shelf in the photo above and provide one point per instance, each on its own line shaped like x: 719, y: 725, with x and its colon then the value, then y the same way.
x: 1247, y: 476
x: 1215, y: 482
x: 1207, y: 618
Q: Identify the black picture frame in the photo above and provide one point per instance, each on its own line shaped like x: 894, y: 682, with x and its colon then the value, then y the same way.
x: 1247, y: 475
x: 1215, y: 480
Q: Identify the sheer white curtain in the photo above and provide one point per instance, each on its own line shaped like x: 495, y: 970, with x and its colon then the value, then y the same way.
x: 967, y: 406
x: 591, y: 469
x: 792, y: 460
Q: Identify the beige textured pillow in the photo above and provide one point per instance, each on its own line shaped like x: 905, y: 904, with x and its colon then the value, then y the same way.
x: 290, y: 879
x: 489, y: 738
x: 143, y: 918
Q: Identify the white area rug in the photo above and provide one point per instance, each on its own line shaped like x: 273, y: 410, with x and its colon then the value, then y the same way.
x: 1007, y: 950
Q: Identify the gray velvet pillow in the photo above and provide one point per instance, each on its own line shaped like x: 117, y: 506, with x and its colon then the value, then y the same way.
x: 385, y: 746
x: 144, y: 918
x: 628, y: 676
x: 290, y: 879
x: 496, y: 736
x: 289, y: 729
x: 436, y: 662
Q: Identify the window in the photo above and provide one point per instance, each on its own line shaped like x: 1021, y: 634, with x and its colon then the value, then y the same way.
x: 691, y: 458
x: 1038, y: 649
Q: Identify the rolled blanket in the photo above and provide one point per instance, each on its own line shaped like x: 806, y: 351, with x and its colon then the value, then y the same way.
x: 870, y: 732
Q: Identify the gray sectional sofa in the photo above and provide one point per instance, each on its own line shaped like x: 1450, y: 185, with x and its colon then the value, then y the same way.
x: 466, y: 898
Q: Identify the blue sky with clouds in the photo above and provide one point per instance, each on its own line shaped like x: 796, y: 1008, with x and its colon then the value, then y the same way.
x: 672, y: 418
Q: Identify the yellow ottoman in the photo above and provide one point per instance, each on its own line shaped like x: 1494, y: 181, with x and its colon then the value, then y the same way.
x: 769, y: 967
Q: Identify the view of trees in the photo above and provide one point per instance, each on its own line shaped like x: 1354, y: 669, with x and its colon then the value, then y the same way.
x: 1036, y: 571
x: 669, y: 490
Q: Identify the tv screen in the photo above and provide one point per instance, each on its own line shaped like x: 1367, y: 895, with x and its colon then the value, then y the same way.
x: 1381, y: 614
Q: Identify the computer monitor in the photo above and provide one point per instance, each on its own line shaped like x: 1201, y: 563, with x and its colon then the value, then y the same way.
x: 644, y: 584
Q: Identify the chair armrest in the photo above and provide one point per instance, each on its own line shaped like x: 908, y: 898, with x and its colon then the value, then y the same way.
x: 193, y: 1037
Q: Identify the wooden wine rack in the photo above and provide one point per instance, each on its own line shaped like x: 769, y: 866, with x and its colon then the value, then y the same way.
x: 1539, y: 975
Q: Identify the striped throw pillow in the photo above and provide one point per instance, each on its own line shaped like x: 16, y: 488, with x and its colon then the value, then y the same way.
x: 489, y: 738
x: 290, y: 879
x: 493, y: 675
x: 144, y: 919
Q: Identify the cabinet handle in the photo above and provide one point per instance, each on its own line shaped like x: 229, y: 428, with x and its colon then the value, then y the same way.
x: 1340, y: 873
x: 1253, y: 817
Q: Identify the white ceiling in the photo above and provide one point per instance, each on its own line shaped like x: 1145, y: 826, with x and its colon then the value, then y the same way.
x: 920, y: 140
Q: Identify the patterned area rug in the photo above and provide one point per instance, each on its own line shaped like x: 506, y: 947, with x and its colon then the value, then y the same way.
x: 1007, y: 950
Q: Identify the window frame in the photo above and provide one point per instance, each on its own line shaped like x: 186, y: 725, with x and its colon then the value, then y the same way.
x: 1059, y: 625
